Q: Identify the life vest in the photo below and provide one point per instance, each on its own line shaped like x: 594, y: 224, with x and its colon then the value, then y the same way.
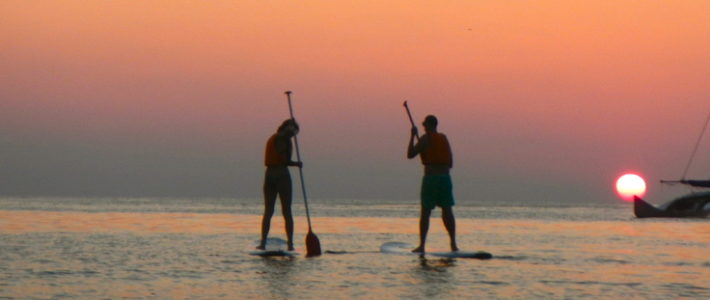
x: 272, y: 157
x: 438, y: 152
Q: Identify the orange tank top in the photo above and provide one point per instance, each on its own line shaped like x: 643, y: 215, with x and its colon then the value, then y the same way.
x: 273, y: 157
x: 438, y: 152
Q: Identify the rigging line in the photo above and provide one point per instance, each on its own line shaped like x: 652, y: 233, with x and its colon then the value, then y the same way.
x: 697, y: 143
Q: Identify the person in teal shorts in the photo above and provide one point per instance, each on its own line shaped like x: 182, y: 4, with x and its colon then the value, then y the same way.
x: 434, y: 150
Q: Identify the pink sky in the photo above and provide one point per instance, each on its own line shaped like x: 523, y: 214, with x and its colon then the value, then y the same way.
x: 547, y: 98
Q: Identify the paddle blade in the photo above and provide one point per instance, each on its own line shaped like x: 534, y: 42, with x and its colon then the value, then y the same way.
x: 312, y: 244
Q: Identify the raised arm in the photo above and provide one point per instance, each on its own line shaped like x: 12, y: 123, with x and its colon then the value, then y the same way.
x: 414, y: 149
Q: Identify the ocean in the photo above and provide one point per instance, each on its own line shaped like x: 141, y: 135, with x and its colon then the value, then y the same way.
x: 168, y: 248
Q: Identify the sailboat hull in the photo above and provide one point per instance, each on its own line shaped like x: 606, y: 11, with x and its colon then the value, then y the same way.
x: 689, y: 206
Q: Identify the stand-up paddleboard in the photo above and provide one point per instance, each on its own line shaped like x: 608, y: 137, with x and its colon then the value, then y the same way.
x: 406, y: 248
x: 274, y: 247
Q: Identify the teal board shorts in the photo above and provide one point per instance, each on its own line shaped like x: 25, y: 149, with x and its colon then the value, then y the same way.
x: 437, y: 190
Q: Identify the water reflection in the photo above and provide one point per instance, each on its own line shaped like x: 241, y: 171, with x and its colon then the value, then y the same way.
x: 276, y: 273
x: 433, y: 278
x: 170, y: 255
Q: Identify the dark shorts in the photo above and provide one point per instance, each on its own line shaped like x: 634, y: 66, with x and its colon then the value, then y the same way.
x: 277, y: 180
x: 437, y: 190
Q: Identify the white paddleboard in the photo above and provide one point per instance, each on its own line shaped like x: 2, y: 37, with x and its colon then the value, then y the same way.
x: 406, y: 248
x: 274, y: 247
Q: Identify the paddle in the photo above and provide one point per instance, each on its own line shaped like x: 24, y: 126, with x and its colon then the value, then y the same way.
x: 312, y: 242
x: 410, y: 117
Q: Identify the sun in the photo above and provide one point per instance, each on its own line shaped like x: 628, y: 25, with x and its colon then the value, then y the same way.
x: 630, y: 185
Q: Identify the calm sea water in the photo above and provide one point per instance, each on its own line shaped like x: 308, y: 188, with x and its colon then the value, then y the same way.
x: 114, y: 248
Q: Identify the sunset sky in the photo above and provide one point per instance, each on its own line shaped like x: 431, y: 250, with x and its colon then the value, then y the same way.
x: 541, y: 100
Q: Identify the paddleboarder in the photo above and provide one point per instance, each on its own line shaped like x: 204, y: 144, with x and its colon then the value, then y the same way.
x: 437, y: 190
x: 277, y: 181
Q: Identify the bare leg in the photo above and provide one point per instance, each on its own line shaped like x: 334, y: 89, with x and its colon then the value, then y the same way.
x: 423, y: 229
x: 447, y: 215
x: 269, y: 203
x: 285, y: 195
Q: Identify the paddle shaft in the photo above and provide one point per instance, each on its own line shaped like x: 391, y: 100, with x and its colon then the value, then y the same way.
x: 300, y: 168
x: 409, y: 113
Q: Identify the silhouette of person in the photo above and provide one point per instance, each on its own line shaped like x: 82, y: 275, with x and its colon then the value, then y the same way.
x: 277, y: 181
x: 437, y: 190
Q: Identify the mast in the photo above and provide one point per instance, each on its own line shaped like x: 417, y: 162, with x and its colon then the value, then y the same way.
x: 696, y: 183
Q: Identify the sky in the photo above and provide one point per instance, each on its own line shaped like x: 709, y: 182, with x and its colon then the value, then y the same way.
x: 542, y: 101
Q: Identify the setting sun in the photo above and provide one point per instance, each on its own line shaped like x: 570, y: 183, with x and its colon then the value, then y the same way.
x: 630, y: 185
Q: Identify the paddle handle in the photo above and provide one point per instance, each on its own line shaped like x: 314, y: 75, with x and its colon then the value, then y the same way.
x: 300, y: 168
x: 411, y: 120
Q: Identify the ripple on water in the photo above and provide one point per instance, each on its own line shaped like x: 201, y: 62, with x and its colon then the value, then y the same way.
x: 494, y: 283
x: 586, y: 282
x: 609, y: 260
x: 138, y: 262
x: 687, y: 290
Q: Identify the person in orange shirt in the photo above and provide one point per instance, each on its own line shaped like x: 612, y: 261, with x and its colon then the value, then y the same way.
x: 437, y: 189
x: 277, y: 181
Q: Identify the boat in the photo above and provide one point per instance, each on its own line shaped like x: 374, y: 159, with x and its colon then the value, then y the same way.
x: 693, y: 205
x: 697, y: 183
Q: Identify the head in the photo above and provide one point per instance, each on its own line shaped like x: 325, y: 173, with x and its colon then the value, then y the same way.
x: 430, y: 123
x: 289, y: 128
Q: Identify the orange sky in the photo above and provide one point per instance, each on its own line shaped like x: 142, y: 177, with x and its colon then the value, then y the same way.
x: 539, y: 98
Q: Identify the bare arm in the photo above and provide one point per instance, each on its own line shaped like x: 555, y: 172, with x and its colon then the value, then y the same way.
x: 413, y: 150
x: 283, y: 147
x: 451, y: 154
